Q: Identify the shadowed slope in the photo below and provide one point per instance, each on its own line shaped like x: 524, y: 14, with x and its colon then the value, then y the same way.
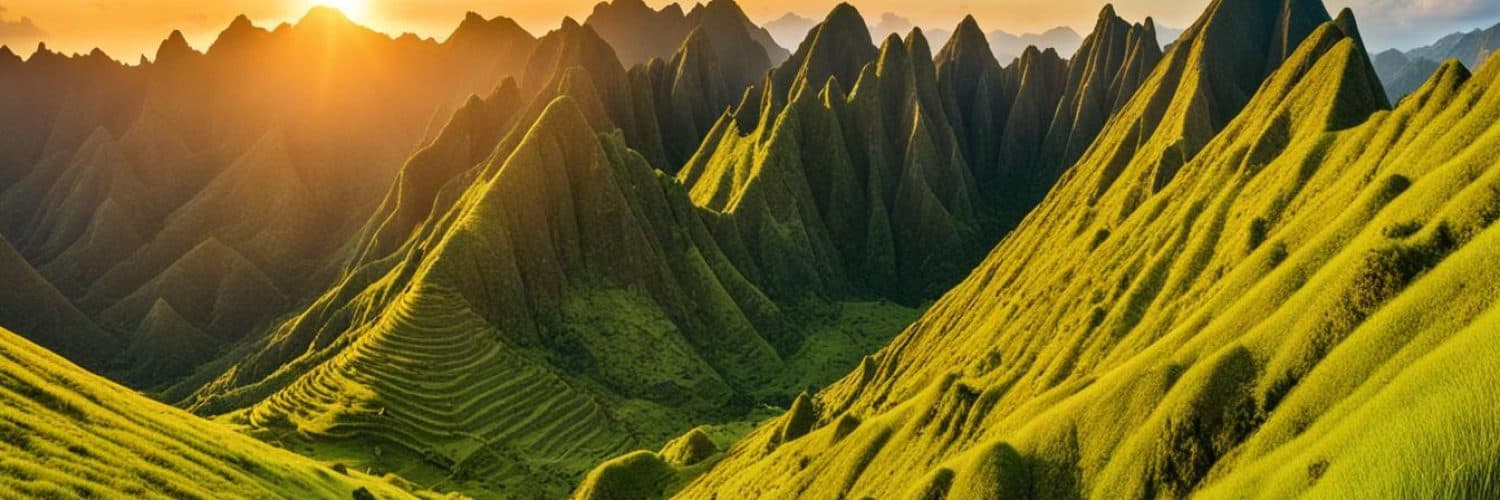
x: 640, y: 33
x: 1102, y: 77
x: 1273, y: 302
x: 125, y: 170
x: 67, y: 433
x: 30, y: 304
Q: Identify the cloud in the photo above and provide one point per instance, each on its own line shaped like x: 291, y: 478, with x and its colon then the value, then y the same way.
x: 21, y: 30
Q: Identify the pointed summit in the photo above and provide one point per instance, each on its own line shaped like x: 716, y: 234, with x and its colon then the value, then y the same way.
x: 840, y: 46
x: 239, y: 33
x: 324, y: 16
x: 174, y: 48
x: 501, y: 33
x: 1102, y: 77
x: 1346, y: 23
x: 240, y: 23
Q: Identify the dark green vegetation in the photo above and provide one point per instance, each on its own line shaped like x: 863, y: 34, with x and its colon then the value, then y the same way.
x: 1260, y: 281
x: 66, y: 433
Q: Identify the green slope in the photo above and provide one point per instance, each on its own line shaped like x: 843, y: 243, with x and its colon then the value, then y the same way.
x: 1304, y: 306
x: 572, y: 304
x: 65, y: 433
x: 880, y: 172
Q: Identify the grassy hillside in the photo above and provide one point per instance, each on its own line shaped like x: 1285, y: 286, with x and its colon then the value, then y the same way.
x: 66, y: 433
x: 572, y: 304
x: 1300, y: 303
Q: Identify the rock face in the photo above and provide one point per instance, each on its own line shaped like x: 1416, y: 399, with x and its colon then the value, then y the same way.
x: 1243, y: 323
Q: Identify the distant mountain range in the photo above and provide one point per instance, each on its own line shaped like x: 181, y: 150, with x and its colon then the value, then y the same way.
x: 1403, y: 72
x: 790, y: 28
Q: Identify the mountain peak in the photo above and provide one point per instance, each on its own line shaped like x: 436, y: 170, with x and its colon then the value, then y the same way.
x: 324, y: 17
x: 844, y: 14
x: 1346, y: 23
x: 175, y: 47
x: 240, y: 23
x: 1108, y: 12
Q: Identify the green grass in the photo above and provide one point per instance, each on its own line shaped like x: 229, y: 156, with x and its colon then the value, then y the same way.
x: 1296, y: 300
x: 66, y: 433
x: 571, y: 306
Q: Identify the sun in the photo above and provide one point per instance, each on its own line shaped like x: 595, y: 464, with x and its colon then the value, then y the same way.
x: 353, y: 9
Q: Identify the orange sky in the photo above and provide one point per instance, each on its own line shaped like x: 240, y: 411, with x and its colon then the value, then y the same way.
x: 128, y: 28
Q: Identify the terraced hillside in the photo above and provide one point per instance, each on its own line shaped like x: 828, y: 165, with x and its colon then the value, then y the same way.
x: 1260, y: 282
x: 66, y: 433
x: 570, y: 306
x: 553, y: 287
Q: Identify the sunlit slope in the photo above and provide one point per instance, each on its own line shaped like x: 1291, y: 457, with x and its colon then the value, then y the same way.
x: 1304, y: 307
x: 66, y: 433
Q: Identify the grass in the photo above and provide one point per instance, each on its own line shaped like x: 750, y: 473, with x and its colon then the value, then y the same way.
x: 1297, y: 307
x: 571, y: 306
x: 65, y: 433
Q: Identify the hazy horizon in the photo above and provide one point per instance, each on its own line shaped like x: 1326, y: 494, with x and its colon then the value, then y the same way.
x: 126, y: 29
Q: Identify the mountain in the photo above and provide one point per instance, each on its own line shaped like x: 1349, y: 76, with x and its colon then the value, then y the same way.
x: 541, y: 242
x: 1104, y: 74
x: 1402, y: 75
x: 1404, y: 72
x: 893, y: 24
x: 68, y: 433
x: 598, y: 263
x: 1008, y: 47
x: 906, y: 195
x: 32, y: 305
x: 1254, y: 321
x: 116, y: 175
x: 534, y: 235
x: 1471, y: 48
x: 790, y: 30
x: 639, y: 33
